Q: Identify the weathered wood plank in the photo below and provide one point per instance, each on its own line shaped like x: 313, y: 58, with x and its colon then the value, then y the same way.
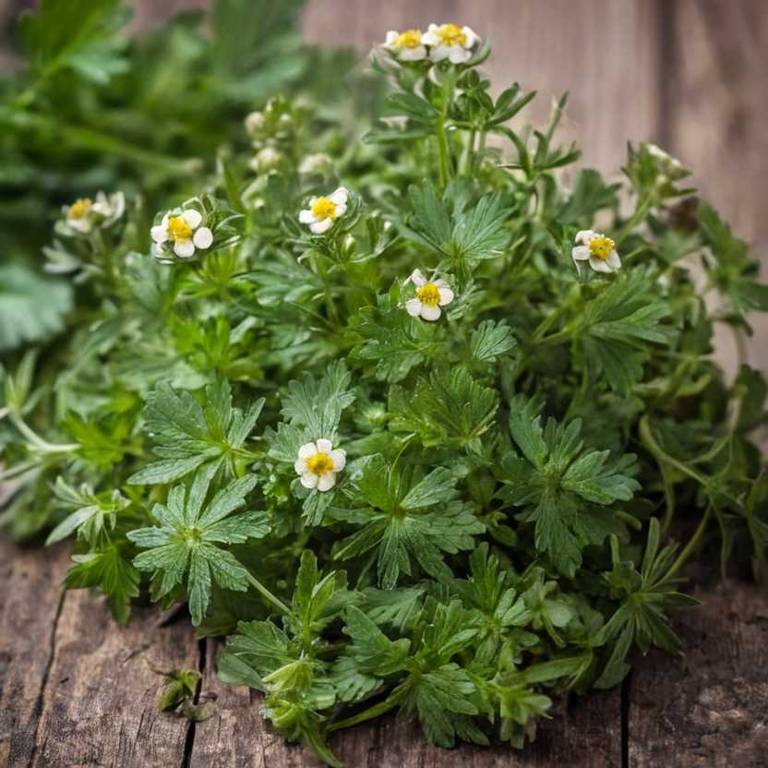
x: 30, y: 601
x: 100, y: 701
x: 715, y: 91
x: 709, y: 708
x: 586, y: 734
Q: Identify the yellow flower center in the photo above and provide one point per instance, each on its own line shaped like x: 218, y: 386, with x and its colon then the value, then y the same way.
x: 601, y: 247
x: 80, y: 208
x: 178, y: 229
x: 411, y: 38
x: 451, y: 34
x: 320, y: 464
x: 428, y: 294
x: 324, y: 208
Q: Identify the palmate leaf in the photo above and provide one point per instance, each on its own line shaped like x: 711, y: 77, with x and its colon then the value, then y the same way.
x: 188, y: 435
x: 448, y: 408
x: 617, y: 327
x: 414, y: 520
x: 184, y: 549
x: 466, y: 234
x: 562, y: 485
x: 32, y: 308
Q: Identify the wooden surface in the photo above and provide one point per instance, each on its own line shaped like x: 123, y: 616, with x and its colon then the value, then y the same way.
x: 78, y: 690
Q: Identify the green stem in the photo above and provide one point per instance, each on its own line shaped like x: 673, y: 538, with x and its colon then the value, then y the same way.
x: 444, y: 167
x: 377, y: 709
x: 691, y: 546
x: 442, y: 149
x: 41, y: 445
x: 270, y: 598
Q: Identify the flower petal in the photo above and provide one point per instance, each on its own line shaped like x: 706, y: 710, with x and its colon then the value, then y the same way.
x: 300, y: 465
x: 457, y: 55
x: 324, y: 445
x: 306, y: 216
x: 184, y: 249
x: 319, y: 227
x: 599, y: 265
x: 417, y: 278
x: 307, y: 450
x: 203, y: 238
x: 613, y: 261
x: 309, y: 480
x: 580, y: 253
x: 440, y: 52
x: 446, y: 295
x: 430, y: 312
x: 339, y: 196
x: 159, y: 233
x: 584, y: 236
x: 339, y: 458
x: 413, y: 54
x: 341, y: 209
x: 391, y: 37
x: 192, y: 217
x: 471, y: 36
x: 413, y: 307
x: 326, y: 482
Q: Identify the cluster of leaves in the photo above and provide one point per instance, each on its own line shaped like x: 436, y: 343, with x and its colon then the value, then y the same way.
x: 516, y: 471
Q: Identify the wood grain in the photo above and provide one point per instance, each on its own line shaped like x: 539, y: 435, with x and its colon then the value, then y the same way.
x: 715, y: 113
x: 100, y: 700
x: 709, y: 708
x: 30, y: 600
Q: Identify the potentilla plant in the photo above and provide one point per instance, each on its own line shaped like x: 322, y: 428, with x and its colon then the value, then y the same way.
x: 416, y: 422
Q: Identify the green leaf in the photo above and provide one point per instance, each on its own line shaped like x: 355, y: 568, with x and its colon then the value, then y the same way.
x: 183, y: 548
x: 112, y: 573
x: 32, y: 308
x: 188, y: 435
x: 81, y: 35
x: 558, y: 482
x: 448, y: 408
x: 491, y: 340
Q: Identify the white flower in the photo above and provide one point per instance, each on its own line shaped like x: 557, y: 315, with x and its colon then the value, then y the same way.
x: 430, y: 296
x: 254, y: 123
x: 598, y: 249
x: 406, y: 46
x: 318, y: 464
x: 318, y: 163
x: 85, y: 214
x: 668, y: 165
x: 450, y: 41
x: 266, y: 159
x: 183, y: 230
x: 323, y: 211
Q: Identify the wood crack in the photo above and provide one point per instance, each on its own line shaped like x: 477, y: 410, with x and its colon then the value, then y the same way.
x: 189, y: 742
x: 38, y: 710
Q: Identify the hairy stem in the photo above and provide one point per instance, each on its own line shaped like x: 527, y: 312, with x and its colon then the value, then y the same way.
x: 267, y: 594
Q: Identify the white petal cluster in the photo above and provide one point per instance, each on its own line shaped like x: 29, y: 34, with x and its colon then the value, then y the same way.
x: 323, y: 211
x: 596, y: 248
x: 430, y: 296
x: 318, y: 464
x: 449, y: 41
x: 85, y: 215
x: 181, y: 231
x: 406, y: 46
